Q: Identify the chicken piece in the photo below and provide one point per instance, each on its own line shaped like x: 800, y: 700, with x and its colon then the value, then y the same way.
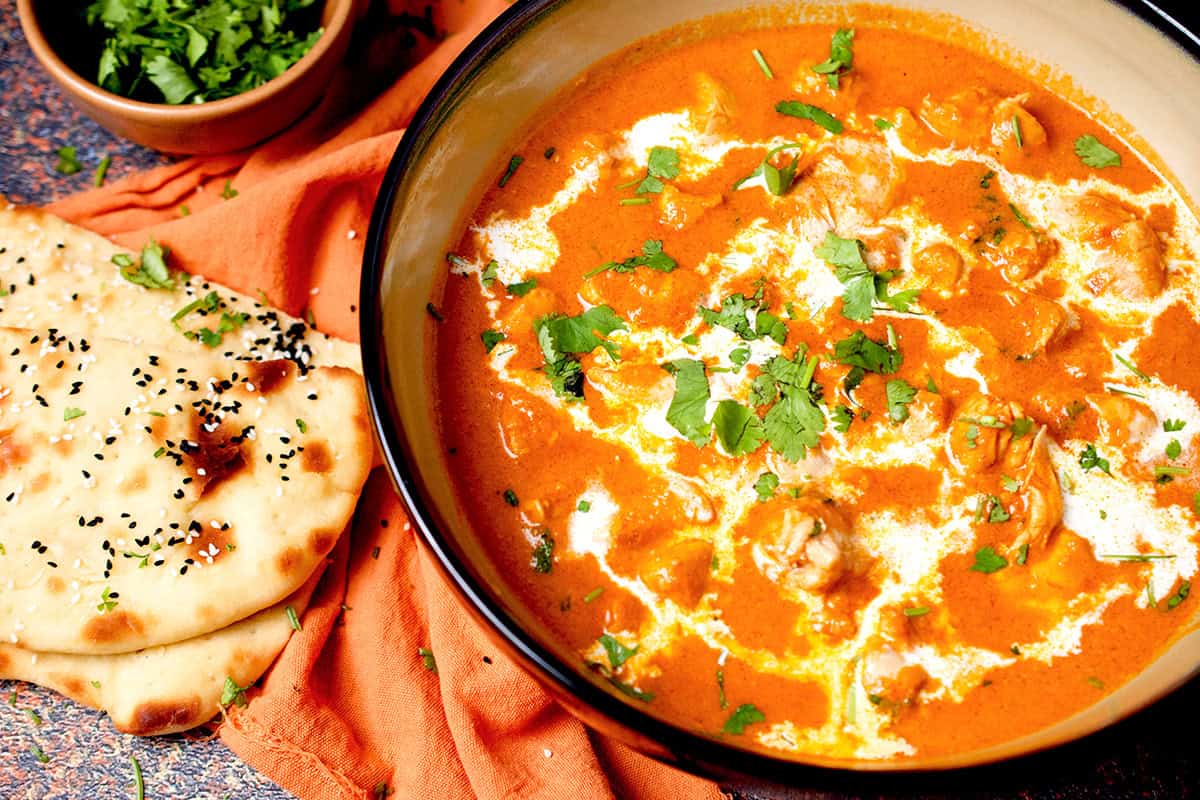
x: 680, y: 209
x: 1040, y: 503
x: 806, y: 549
x: 697, y: 504
x: 1040, y: 321
x: 889, y: 677
x: 977, y: 117
x: 715, y: 109
x: 1128, y: 253
x: 1123, y: 419
x: 679, y: 571
x: 1008, y: 117
x: 940, y: 266
x: 883, y: 249
x: 981, y: 432
x: 1020, y: 253
x: 855, y: 179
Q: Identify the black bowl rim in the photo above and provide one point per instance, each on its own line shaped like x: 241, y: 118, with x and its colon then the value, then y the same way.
x: 696, y: 753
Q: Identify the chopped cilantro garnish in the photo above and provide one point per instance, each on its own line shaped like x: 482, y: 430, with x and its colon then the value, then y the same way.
x: 688, y: 406
x: 101, y: 171
x: 522, y: 288
x: 1174, y: 449
x: 489, y: 273
x: 583, y: 506
x: 68, y: 161
x: 593, y: 594
x: 1016, y: 129
x: 1185, y: 588
x: 652, y: 256
x: 491, y: 338
x: 232, y: 693
x: 151, y: 270
x: 721, y: 688
x: 1139, y: 558
x: 1095, y: 154
x: 841, y: 57
x: 743, y: 715
x: 73, y: 413
x: 1020, y: 427
x: 107, y: 601
x: 920, y: 611
x: 884, y: 124
x: 632, y: 691
x: 227, y: 191
x: 863, y: 286
x: 511, y: 498
x: 794, y: 108
x: 739, y: 357
x: 762, y: 63
x: 661, y: 164
x: 690, y: 339
x: 618, y: 653
x: 733, y: 315
x: 842, y: 418
x: 997, y: 513
x: 899, y: 394
x: 777, y: 179
x: 1173, y: 425
x: 513, y: 164
x: 542, y: 559
x: 1095, y: 682
x: 1020, y: 217
x: 1168, y: 474
x: 857, y: 350
x: 795, y: 422
x: 1010, y: 484
x: 986, y: 181
x: 987, y: 561
x: 1089, y: 459
x: 1023, y: 554
x: 139, y: 783
x: 738, y: 429
x: 1132, y: 368
x: 563, y: 338
x: 39, y: 754
x: 427, y: 659
x: 292, y: 618
x: 766, y: 485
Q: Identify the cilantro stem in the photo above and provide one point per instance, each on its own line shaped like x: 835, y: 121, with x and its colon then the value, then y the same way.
x: 635, y: 201
x: 139, y: 784
x: 762, y: 63
x: 101, y: 171
x: 1129, y: 365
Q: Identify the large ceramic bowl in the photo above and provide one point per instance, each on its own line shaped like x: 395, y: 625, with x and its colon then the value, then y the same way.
x: 1133, y: 58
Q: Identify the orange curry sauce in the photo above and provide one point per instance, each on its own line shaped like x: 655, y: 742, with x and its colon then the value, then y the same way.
x: 912, y: 585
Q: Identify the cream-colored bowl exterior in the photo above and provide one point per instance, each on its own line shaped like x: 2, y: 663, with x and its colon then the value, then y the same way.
x: 1138, y: 72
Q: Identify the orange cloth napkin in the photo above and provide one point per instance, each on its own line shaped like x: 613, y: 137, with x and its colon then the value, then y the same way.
x: 349, y: 708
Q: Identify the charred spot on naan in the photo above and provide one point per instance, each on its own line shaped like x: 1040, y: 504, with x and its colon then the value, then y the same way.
x: 212, y: 456
x: 158, y: 717
x: 316, y: 457
x: 12, y: 452
x: 270, y: 376
x: 212, y: 540
x: 113, y: 627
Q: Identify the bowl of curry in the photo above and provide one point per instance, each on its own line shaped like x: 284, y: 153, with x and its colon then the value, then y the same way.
x: 806, y: 385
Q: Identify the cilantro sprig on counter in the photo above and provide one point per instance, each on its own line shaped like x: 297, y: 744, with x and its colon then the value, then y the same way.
x: 191, y: 52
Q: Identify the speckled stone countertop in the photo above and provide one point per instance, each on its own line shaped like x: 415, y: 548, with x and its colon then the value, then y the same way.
x: 1154, y: 755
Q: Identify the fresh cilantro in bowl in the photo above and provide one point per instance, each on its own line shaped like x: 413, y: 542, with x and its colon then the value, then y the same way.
x: 192, y: 51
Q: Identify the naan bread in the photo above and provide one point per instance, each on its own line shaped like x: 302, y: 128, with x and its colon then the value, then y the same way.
x: 169, y: 688
x: 149, y: 496
x: 54, y: 274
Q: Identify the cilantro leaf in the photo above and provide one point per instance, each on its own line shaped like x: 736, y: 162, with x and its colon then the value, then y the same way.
x: 766, y: 485
x: 1095, y: 154
x: 68, y: 161
x: 521, y: 288
x: 489, y: 274
x: 1089, y: 459
x: 769, y: 326
x: 987, y: 561
x: 618, y: 653
x: 841, y: 57
x: 232, y: 693
x: 150, y: 271
x: 863, y: 285
x: 542, y: 559
x: 170, y: 78
x: 561, y: 338
x: 689, y: 404
x: 842, y: 418
x: 899, y: 394
x: 1173, y: 425
x: 71, y: 413
x: 997, y: 513
x: 795, y: 423
x: 661, y: 164
x: 513, y: 164
x: 739, y: 430
x: 732, y: 315
x: 743, y: 715
x: 794, y: 108
x: 1185, y: 589
x: 652, y: 256
x: 491, y: 338
x: 857, y: 350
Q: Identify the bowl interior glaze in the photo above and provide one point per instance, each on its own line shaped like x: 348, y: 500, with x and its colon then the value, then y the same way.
x: 464, y: 130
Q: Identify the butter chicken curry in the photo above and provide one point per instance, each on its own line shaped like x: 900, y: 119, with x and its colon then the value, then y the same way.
x: 833, y: 390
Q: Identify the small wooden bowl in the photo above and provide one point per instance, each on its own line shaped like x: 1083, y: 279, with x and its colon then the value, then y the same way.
x: 219, y: 126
